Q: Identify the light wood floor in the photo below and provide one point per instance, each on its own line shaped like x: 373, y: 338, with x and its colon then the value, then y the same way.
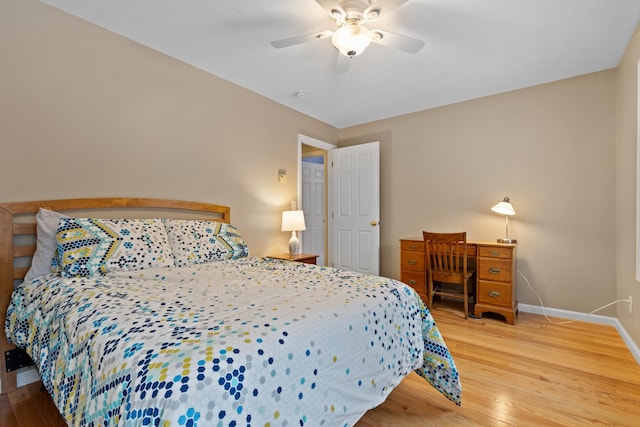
x: 530, y: 374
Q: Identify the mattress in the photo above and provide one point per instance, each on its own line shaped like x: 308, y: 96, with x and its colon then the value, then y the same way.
x: 248, y: 341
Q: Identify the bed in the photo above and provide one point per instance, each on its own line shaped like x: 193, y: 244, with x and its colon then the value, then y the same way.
x: 159, y: 315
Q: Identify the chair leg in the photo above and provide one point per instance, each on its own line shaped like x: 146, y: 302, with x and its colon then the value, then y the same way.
x: 474, y: 290
x: 466, y: 300
x: 429, y: 293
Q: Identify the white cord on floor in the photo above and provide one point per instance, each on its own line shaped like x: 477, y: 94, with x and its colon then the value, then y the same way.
x: 544, y: 309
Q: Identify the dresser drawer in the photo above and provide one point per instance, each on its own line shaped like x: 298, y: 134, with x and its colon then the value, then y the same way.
x: 495, y: 293
x: 417, y: 280
x: 495, y: 252
x: 412, y: 245
x: 497, y: 269
x: 413, y: 261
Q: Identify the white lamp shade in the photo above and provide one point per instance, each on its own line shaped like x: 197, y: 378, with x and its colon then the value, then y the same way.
x: 504, y: 207
x: 293, y: 221
x: 351, y: 39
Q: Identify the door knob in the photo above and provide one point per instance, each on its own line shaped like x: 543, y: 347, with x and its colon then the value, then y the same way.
x: 374, y: 223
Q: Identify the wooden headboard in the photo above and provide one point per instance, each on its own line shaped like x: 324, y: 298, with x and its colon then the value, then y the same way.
x: 18, y: 237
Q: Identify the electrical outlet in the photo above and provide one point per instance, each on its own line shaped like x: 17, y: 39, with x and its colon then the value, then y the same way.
x: 630, y: 305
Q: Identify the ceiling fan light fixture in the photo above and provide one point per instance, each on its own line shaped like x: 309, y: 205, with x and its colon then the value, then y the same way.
x: 351, y: 39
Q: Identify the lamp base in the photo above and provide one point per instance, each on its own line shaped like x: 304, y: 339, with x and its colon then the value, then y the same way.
x: 507, y: 240
x: 294, y: 244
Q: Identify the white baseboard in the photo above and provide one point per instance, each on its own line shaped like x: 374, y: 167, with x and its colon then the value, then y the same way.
x: 585, y: 317
x: 27, y: 375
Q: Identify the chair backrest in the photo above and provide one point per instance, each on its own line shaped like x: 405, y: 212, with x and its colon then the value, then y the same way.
x: 446, y: 255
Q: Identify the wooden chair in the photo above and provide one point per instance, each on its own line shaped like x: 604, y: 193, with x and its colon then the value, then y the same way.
x: 446, y: 262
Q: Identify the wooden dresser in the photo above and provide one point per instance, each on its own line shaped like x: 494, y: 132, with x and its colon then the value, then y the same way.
x: 495, y: 279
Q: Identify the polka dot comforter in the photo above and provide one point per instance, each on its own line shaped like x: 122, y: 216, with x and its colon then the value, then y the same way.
x: 246, y: 342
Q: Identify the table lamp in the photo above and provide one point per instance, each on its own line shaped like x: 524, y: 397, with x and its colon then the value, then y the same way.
x: 293, y: 221
x: 505, y: 208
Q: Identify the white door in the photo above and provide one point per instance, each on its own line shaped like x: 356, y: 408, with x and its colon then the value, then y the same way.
x: 313, y: 207
x: 355, y: 218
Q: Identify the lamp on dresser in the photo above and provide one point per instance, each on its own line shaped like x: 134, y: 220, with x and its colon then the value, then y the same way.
x: 505, y: 208
x: 293, y: 221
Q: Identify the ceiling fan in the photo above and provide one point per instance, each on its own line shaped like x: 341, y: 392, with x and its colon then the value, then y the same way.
x: 352, y: 36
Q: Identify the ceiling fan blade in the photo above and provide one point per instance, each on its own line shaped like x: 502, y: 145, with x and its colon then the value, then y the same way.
x: 304, y: 38
x: 397, y: 41
x: 381, y: 6
x: 343, y: 63
x: 333, y: 8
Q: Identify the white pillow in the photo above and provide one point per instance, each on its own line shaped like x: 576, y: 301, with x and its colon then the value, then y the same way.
x: 46, y: 229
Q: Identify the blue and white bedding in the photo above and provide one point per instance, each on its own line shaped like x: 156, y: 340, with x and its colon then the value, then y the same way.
x: 248, y: 341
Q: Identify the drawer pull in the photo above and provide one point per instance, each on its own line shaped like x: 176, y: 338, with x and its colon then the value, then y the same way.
x: 412, y: 262
x: 494, y: 294
x: 494, y: 270
x: 494, y: 253
x: 412, y: 282
x: 413, y: 247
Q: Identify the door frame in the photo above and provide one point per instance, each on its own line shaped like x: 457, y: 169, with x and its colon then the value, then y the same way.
x: 307, y: 140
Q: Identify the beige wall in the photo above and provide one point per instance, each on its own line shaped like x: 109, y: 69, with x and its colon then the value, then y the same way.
x: 626, y: 165
x: 551, y: 148
x: 85, y: 112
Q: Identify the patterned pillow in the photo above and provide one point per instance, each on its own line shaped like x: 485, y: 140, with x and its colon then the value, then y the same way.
x: 88, y: 246
x: 200, y: 241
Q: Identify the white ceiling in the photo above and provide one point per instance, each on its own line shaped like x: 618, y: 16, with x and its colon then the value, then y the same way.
x: 473, y: 48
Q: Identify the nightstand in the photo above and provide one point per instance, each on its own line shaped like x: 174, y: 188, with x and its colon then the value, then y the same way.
x: 306, y: 258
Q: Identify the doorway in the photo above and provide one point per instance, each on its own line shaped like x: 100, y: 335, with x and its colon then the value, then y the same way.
x: 350, y: 238
x: 314, y: 202
x: 313, y: 195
